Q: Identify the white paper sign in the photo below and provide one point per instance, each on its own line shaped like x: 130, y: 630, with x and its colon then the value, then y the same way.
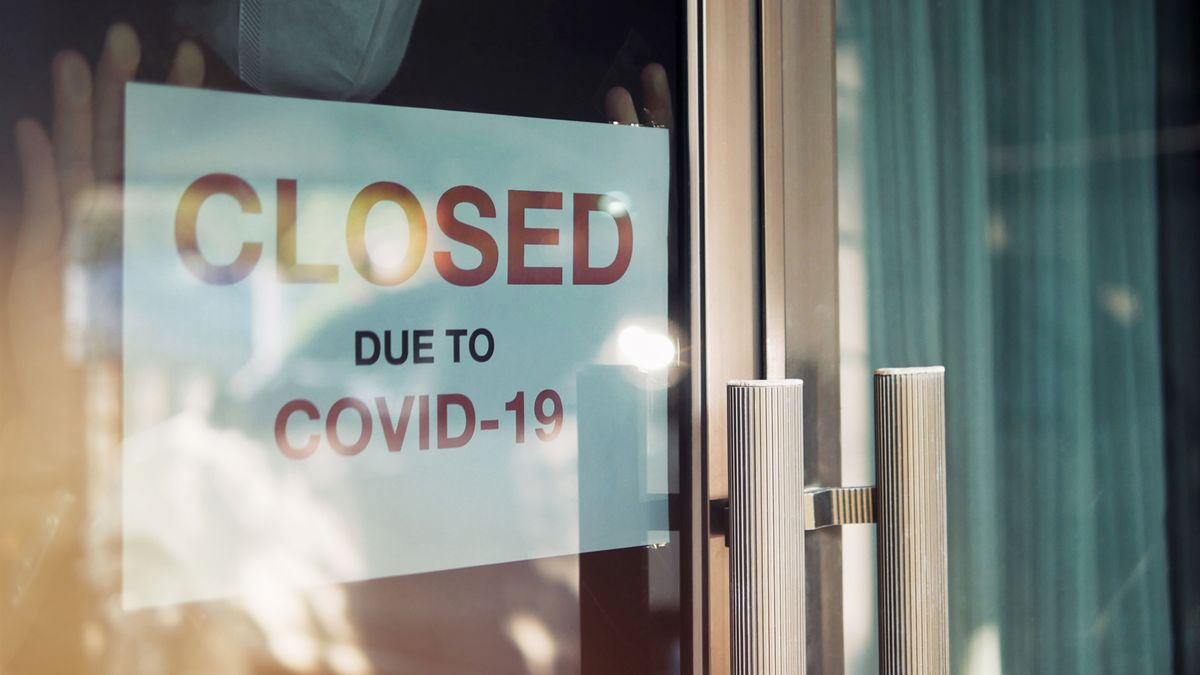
x: 363, y: 341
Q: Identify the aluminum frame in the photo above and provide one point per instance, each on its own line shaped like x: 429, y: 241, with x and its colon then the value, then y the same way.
x: 764, y: 194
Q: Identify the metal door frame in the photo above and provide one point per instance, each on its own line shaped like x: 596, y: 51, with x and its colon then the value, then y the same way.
x: 762, y: 135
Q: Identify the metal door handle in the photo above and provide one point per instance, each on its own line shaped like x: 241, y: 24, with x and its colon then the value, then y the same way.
x: 910, y: 469
x: 769, y: 509
x: 766, y: 527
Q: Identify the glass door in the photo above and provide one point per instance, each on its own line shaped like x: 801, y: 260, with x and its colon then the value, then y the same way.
x: 1012, y: 204
x: 349, y: 337
x: 1007, y: 190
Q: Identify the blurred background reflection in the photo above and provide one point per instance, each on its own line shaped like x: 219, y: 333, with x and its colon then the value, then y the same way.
x: 1010, y: 203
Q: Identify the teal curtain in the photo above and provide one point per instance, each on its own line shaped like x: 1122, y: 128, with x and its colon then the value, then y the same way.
x: 1006, y: 155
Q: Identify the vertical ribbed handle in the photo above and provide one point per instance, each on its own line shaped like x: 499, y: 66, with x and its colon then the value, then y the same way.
x: 910, y: 462
x: 766, y: 527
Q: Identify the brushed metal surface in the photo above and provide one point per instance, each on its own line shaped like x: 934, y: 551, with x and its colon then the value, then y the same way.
x: 798, y: 138
x: 729, y: 191
x: 693, y: 477
x: 766, y: 527
x: 910, y: 461
x: 826, y: 507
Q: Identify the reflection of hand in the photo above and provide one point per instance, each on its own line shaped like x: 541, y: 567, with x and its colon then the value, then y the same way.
x: 71, y: 198
x: 71, y: 218
x: 656, y: 100
x: 70, y: 212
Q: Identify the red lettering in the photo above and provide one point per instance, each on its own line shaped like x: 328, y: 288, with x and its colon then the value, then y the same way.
x: 444, y: 401
x: 285, y: 241
x: 185, y: 228
x: 582, y: 271
x: 395, y: 272
x: 519, y: 236
x: 470, y: 235
x: 331, y: 421
x: 394, y: 434
x: 423, y: 423
x: 356, y: 232
x: 281, y: 420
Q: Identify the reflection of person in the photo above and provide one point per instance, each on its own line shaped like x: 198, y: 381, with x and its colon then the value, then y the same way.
x: 70, y: 180
x: 72, y: 174
x: 332, y: 50
x: 656, y: 93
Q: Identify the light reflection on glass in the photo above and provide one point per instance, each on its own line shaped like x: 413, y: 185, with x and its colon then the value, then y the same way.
x: 645, y: 349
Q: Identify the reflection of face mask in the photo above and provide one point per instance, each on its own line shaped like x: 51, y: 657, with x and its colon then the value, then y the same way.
x: 340, y: 49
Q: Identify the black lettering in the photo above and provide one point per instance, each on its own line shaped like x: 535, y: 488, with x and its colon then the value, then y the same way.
x: 359, y: 336
x: 387, y: 347
x: 491, y: 345
x: 457, y: 334
x: 422, y: 342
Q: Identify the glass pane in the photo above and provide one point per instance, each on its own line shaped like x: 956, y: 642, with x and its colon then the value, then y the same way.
x: 352, y: 349
x: 1017, y: 198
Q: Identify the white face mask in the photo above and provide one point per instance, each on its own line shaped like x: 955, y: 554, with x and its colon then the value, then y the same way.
x: 338, y: 49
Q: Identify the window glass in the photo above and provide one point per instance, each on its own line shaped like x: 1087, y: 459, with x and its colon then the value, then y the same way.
x: 84, y: 305
x: 1015, y: 198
